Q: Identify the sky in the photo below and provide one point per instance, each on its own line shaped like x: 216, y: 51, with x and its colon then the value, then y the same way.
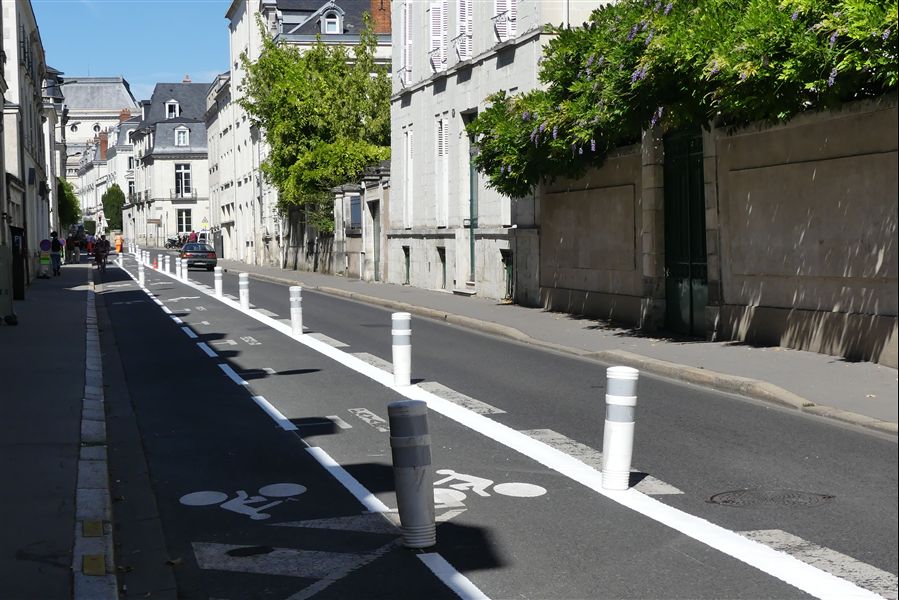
x: 145, y: 41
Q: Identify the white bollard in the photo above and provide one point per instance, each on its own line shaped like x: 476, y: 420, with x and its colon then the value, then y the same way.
x: 218, y: 281
x: 177, y: 268
x: 410, y: 448
x: 159, y: 262
x: 296, y: 310
x: 140, y: 273
x: 402, y: 348
x: 184, y: 270
x: 618, y: 435
x: 168, y: 263
x: 243, y: 284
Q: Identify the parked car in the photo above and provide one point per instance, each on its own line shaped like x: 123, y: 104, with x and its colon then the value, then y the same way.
x: 199, y: 255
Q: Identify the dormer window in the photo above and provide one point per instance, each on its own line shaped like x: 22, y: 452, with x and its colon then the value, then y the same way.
x: 182, y: 136
x: 172, y: 109
x: 331, y: 23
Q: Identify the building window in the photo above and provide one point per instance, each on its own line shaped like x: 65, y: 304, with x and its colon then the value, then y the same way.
x: 172, y: 109
x: 463, y: 37
x: 505, y: 20
x: 407, y: 178
x: 96, y: 128
x: 130, y: 162
x: 406, y: 69
x: 73, y: 128
x: 182, y: 137
x: 331, y: 23
x: 355, y: 212
x: 130, y: 190
x: 184, y: 221
x: 442, y: 166
x: 182, y: 181
x: 439, y: 9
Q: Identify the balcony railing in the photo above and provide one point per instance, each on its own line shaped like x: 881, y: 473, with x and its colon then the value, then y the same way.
x: 180, y: 194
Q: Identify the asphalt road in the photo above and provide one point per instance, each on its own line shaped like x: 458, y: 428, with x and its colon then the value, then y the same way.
x: 828, y: 486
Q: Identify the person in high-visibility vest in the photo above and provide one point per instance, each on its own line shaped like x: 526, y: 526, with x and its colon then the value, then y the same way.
x: 119, y: 242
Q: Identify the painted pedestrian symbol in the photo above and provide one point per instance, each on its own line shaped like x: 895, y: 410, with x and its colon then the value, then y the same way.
x: 457, y: 484
x: 242, y: 503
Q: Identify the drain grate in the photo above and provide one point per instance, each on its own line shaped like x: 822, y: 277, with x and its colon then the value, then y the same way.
x: 772, y: 498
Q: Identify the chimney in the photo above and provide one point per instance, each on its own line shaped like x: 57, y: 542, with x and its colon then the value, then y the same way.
x: 186, y: 79
x: 124, y: 115
x: 104, y: 144
x: 380, y: 16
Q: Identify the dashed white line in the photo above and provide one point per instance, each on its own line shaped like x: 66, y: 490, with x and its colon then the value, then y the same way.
x: 282, y: 421
x: 232, y: 374
x: 452, y: 578
x: 177, y: 320
x: 205, y: 348
x: 328, y: 340
x: 189, y: 332
x: 339, y: 422
x: 368, y: 500
x: 266, y: 312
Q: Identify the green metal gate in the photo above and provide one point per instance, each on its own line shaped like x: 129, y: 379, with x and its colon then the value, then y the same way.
x: 686, y: 268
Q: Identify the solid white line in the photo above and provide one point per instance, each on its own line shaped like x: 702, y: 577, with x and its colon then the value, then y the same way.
x: 864, y: 575
x: 205, y: 348
x: 453, y: 579
x: 232, y: 374
x: 266, y: 312
x: 275, y: 414
x: 482, y: 408
x: 339, y: 422
x: 776, y: 564
x: 361, y: 494
x: 189, y: 332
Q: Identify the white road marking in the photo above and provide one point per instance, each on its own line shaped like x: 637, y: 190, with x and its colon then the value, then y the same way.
x: 205, y: 348
x: 368, y: 500
x: 313, y: 564
x: 328, y: 340
x: 204, y: 323
x: 269, y: 370
x: 365, y: 523
x: 223, y: 342
x: 251, y: 340
x: 189, y: 332
x: 375, y: 361
x: 482, y: 408
x: 589, y: 456
x: 177, y: 320
x: 180, y: 298
x: 166, y: 310
x: 517, y: 489
x: 790, y: 570
x: 370, y: 418
x: 232, y: 374
x: 266, y: 312
x: 158, y: 301
x: 452, y: 578
x: 845, y: 567
x: 339, y: 422
x: 230, y: 297
x: 201, y: 308
x: 282, y: 421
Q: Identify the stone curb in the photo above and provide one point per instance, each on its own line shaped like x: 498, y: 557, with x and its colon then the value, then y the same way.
x: 734, y: 384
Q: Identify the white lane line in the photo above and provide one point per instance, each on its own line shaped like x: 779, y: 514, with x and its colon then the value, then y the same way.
x: 862, y: 574
x: 375, y: 361
x: 438, y: 389
x: 166, y: 310
x: 232, y: 374
x: 790, y: 570
x: 321, y: 337
x: 177, y: 320
x: 370, y: 418
x: 230, y: 297
x: 368, y: 500
x: 158, y: 301
x: 266, y: 312
x: 282, y: 421
x: 453, y: 579
x: 592, y: 457
x: 205, y: 348
x: 339, y: 422
x: 189, y: 332
x: 269, y: 370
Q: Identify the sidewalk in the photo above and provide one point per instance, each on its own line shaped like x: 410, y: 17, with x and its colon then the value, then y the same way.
x: 861, y: 393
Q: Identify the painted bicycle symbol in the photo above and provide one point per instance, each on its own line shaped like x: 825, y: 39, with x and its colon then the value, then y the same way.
x: 243, y: 503
x: 457, y: 484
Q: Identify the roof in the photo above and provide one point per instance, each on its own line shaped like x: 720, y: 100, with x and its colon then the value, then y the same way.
x: 164, y: 140
x: 191, y: 97
x: 97, y: 93
x: 352, y: 14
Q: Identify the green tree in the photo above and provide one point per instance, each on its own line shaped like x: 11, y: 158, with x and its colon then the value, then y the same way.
x: 113, y: 200
x: 639, y: 63
x: 69, y: 211
x: 325, y: 113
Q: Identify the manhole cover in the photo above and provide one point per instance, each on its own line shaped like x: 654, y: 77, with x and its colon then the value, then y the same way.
x: 763, y: 498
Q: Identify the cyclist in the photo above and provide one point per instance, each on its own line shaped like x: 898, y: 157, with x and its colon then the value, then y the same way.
x: 101, y: 251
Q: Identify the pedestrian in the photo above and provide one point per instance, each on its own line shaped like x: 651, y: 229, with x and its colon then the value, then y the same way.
x: 56, y: 248
x: 192, y: 238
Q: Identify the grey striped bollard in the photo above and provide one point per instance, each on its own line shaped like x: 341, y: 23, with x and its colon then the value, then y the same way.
x: 218, y: 281
x: 140, y: 273
x: 159, y: 262
x: 243, y: 284
x: 410, y: 447
x: 402, y: 348
x: 618, y: 435
x: 296, y: 310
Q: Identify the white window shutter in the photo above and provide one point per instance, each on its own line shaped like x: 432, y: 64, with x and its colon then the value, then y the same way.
x: 465, y: 28
x: 407, y: 42
x: 444, y: 32
x: 501, y: 11
x: 512, y: 25
x: 436, y: 11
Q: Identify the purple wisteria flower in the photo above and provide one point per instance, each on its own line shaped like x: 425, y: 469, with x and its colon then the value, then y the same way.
x: 555, y: 132
x: 657, y: 7
x: 633, y: 32
x: 590, y: 61
x: 886, y: 34
x: 833, y: 39
x: 525, y: 115
x: 638, y: 75
x: 602, y: 59
x: 644, y: 25
x: 743, y: 76
x: 715, y: 68
x: 794, y: 16
x: 592, y: 145
x: 656, y: 116
x: 649, y: 37
x: 542, y: 127
x: 580, y: 150
x: 668, y: 8
x: 833, y: 77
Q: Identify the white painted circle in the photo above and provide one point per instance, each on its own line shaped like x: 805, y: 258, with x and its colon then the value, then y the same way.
x: 203, y: 498
x: 519, y: 490
x: 282, y: 490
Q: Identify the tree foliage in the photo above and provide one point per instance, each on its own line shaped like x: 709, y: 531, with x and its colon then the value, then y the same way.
x: 325, y: 113
x: 681, y: 63
x: 113, y: 201
x: 69, y: 211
